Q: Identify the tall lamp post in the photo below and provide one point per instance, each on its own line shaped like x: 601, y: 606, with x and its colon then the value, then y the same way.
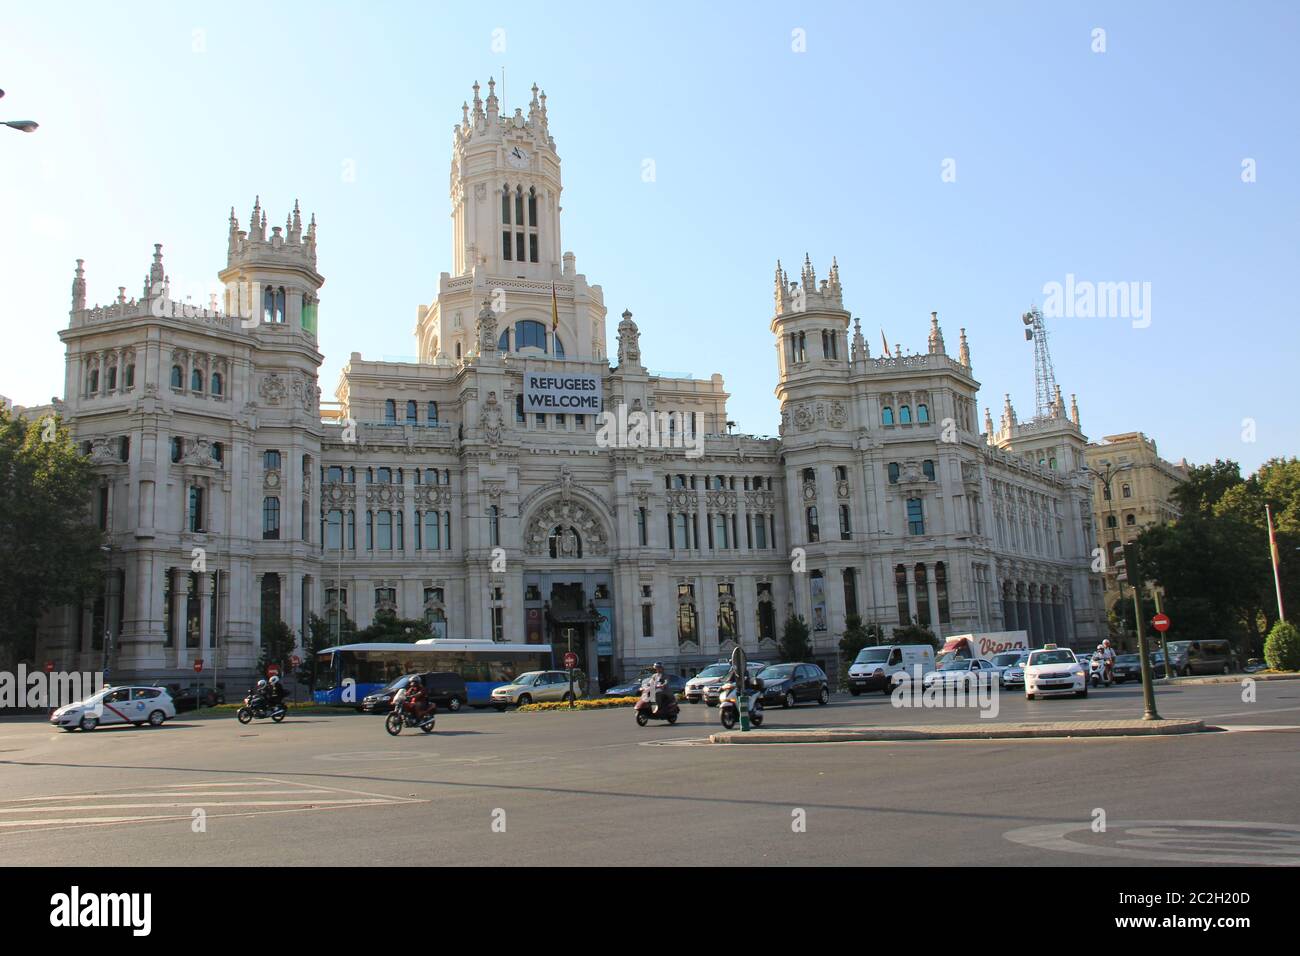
x: 1106, y: 478
x: 23, y: 126
x: 108, y: 608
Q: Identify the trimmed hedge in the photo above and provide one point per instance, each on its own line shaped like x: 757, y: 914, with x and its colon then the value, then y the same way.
x: 1282, y: 648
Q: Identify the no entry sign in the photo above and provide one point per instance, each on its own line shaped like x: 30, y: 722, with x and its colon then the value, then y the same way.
x: 570, y: 660
x: 198, y: 666
x: 1160, y: 622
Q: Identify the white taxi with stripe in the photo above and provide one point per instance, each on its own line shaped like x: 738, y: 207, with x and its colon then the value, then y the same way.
x: 1054, y: 670
x: 117, y: 705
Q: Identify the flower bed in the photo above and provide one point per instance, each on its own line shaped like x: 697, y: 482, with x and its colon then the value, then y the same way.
x: 603, y: 703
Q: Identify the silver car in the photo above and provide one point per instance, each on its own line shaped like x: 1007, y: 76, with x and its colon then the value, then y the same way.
x: 535, y: 687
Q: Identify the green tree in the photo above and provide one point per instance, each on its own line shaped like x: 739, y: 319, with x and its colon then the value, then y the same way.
x: 49, y: 544
x: 277, y: 646
x: 857, y: 635
x: 388, y: 628
x: 794, y: 644
x: 1282, y: 649
x: 1205, y: 485
x: 914, y: 633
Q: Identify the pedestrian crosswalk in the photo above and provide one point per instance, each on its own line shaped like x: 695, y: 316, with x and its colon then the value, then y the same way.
x: 215, y: 798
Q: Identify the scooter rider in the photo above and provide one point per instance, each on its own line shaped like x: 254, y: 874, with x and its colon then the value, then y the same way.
x: 659, y: 683
x: 260, y: 692
x: 1107, y: 660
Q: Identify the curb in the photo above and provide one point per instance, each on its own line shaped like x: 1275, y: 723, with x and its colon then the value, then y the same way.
x: 1225, y: 679
x: 1113, y: 728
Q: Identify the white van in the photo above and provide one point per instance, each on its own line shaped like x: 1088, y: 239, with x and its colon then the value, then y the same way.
x: 874, y: 667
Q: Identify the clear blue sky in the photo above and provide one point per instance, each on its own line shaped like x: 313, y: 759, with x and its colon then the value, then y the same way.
x: 1115, y: 166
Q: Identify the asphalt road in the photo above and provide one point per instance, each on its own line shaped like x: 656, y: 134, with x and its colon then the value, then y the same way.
x: 595, y: 788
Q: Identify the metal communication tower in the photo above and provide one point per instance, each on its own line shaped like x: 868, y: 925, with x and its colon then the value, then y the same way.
x: 1044, y: 375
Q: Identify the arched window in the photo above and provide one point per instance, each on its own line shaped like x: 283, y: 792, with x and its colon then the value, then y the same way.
x: 922, y: 414
x: 94, y: 381
x: 494, y: 526
x: 1111, y: 522
x: 128, y: 379
x: 530, y: 334
x: 893, y: 472
x: 270, y: 600
x: 432, y: 414
x: 218, y: 451
x: 457, y: 351
x: 216, y: 383
x: 390, y: 412
x: 412, y: 412
x: 196, y: 381
x: 268, y: 304
x: 565, y: 542
x: 279, y: 305
x: 270, y: 519
x: 886, y: 416
x: 813, y: 532
x: 112, y: 377
x: 905, y: 415
x: 178, y: 377
x: 1128, y: 491
x: 1130, y: 520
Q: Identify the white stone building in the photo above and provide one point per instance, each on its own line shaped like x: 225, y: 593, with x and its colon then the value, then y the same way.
x: 209, y: 433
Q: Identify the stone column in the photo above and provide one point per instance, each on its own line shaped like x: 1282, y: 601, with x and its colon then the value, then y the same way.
x: 180, y: 587
x: 205, y: 617
x: 910, y: 572
x: 1025, y: 623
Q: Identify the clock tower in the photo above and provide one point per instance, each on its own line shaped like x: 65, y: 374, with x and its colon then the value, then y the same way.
x: 505, y: 210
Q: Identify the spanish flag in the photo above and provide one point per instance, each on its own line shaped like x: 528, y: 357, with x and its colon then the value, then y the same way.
x: 555, y: 311
x: 884, y: 341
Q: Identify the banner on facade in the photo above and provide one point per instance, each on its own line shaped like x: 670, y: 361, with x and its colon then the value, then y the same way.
x: 818, y: 603
x: 554, y: 393
x: 605, y: 634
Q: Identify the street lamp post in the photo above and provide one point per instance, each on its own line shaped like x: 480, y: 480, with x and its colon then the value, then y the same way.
x: 1106, y: 477
x: 23, y: 126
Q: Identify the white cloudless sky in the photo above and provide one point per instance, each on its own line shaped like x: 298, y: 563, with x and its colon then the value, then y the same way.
x: 1122, y: 166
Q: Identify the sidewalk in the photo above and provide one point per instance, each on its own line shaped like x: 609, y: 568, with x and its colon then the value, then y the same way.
x: 990, y: 731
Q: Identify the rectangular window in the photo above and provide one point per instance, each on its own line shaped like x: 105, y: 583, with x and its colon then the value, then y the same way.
x: 334, y: 530
x: 385, y: 531
x: 850, y: 591
x: 103, y: 508
x: 641, y: 527
x: 846, y: 529
x: 766, y: 613
x: 915, y: 517
x: 498, y: 624
x: 505, y: 245
x: 196, y: 510
x: 519, y: 246
x: 532, y: 248
x: 760, y: 532
x: 647, y: 620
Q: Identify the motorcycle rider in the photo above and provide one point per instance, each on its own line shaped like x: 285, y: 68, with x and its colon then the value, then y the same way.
x: 416, y: 700
x: 275, y: 693
x: 258, y: 694
x: 749, y: 683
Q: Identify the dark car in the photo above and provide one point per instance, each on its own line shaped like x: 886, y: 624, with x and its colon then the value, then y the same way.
x: 1127, y: 667
x: 445, y: 689
x: 790, y: 684
x: 192, y: 697
x: 1204, y: 657
x: 632, y: 688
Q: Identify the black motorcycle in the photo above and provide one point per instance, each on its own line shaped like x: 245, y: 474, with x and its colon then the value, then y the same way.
x: 403, y: 717
x: 259, y: 708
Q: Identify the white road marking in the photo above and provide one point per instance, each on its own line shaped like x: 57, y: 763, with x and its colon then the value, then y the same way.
x: 217, y: 798
x: 1184, y: 841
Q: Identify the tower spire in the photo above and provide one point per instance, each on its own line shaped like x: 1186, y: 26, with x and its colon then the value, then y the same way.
x: 156, y: 273
x: 79, y: 287
x: 963, y: 351
x: 936, y: 336
x: 1074, y: 410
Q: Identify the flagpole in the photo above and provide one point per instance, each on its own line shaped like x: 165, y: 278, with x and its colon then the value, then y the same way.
x: 1272, y: 553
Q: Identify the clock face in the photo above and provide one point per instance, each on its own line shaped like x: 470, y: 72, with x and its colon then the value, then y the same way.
x: 517, y: 157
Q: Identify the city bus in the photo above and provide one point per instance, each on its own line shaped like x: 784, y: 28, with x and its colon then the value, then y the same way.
x: 347, y: 673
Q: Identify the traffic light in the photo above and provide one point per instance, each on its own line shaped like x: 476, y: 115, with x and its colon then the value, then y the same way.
x: 1131, y: 566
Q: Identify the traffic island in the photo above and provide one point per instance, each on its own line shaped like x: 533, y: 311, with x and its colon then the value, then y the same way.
x: 1064, y: 728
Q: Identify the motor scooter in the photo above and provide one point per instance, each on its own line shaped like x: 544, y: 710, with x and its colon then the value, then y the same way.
x: 730, y: 710
x: 648, y: 707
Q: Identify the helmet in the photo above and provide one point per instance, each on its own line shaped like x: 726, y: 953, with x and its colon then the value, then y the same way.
x: 1098, y: 647
x: 416, y: 681
x: 261, y: 684
x: 275, y: 679
x: 658, y: 665
x: 1106, y: 642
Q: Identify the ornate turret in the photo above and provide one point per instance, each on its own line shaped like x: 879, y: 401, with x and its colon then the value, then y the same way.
x: 156, y: 274
x: 1008, y: 414
x: 860, y: 350
x: 79, y: 287
x: 936, y: 336
x: 1074, y: 411
x: 629, y: 342
x: 988, y: 424
x: 963, y: 351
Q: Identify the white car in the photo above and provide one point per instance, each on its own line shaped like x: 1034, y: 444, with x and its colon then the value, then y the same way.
x: 973, y: 671
x: 117, y: 705
x: 535, y: 687
x: 1011, y: 667
x: 711, y: 676
x: 1054, y: 670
